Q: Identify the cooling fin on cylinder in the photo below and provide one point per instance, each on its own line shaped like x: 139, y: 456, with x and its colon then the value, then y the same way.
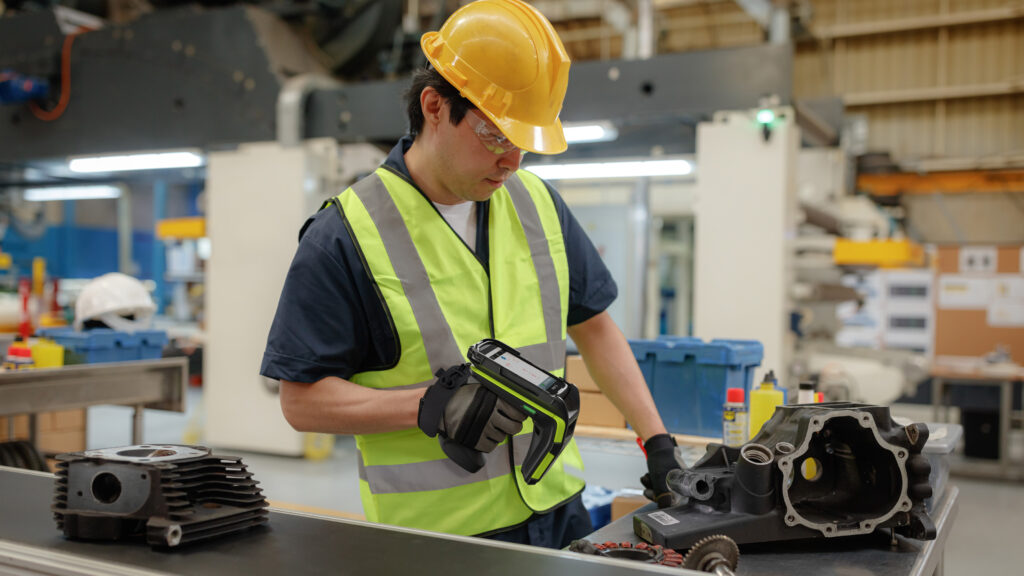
x: 169, y: 495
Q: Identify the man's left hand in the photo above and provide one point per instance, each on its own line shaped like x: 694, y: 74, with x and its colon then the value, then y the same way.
x: 661, y: 459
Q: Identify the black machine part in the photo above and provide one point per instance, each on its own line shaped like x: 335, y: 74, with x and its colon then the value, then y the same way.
x: 825, y: 470
x: 22, y: 454
x: 168, y: 494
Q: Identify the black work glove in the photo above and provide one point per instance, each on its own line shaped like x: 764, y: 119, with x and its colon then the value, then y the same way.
x: 475, y: 417
x: 466, y: 412
x: 661, y: 459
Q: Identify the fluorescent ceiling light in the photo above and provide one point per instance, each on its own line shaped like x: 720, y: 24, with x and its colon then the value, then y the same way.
x: 152, y: 161
x: 591, y: 170
x: 52, y: 193
x: 594, y: 132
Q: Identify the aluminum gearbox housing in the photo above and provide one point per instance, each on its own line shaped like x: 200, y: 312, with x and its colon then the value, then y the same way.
x: 813, y: 471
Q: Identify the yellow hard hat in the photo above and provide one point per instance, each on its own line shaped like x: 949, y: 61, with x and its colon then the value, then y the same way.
x: 506, y: 58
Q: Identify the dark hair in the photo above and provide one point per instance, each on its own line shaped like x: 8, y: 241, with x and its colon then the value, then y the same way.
x: 430, y: 78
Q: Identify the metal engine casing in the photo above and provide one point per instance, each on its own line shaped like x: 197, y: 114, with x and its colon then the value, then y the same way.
x: 169, y: 494
x: 814, y: 470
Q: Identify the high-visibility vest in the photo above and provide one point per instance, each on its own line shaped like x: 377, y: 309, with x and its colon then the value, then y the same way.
x: 440, y: 300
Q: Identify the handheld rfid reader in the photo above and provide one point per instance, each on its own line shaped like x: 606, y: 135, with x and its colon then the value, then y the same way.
x: 551, y: 402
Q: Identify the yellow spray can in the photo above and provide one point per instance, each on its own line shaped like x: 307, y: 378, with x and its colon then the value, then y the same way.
x: 763, y: 401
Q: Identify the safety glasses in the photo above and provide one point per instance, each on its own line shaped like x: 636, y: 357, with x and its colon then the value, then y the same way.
x: 492, y: 139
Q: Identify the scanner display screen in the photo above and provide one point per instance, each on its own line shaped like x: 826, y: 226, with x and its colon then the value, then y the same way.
x: 520, y: 368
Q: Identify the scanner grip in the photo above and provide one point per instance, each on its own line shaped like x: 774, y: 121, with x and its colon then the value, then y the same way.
x: 540, y: 447
x: 467, y: 458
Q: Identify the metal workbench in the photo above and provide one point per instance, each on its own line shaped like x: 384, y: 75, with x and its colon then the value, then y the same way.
x: 158, y: 384
x: 298, y: 544
x: 958, y: 371
x: 867, y: 555
x: 291, y: 543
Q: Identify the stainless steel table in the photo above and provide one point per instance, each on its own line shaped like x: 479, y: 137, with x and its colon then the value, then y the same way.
x: 867, y: 555
x: 158, y: 384
x: 293, y: 544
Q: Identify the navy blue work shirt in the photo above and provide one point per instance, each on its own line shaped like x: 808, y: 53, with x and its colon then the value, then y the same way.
x: 331, y: 322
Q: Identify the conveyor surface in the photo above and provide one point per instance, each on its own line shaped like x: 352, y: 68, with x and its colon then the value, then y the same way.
x: 292, y: 544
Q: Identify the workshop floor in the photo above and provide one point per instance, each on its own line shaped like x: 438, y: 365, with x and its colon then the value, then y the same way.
x: 986, y: 533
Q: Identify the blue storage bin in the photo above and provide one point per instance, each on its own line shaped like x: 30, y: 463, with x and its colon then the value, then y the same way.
x: 152, y: 344
x: 105, y: 345
x: 99, y: 345
x: 688, y: 378
x: 598, y: 502
x: 126, y: 346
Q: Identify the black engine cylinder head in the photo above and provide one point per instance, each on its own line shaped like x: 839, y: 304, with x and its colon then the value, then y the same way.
x: 169, y: 495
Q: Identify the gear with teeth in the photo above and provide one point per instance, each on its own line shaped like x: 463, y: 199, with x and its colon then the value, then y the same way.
x: 717, y: 554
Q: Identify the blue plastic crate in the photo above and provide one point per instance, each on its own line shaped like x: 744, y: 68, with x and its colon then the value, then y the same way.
x: 126, y: 346
x: 688, y: 378
x: 152, y: 344
x: 105, y: 345
x: 99, y: 345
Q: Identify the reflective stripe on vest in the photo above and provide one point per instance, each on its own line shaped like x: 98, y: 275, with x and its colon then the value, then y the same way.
x: 554, y: 318
x: 439, y: 297
x: 398, y: 478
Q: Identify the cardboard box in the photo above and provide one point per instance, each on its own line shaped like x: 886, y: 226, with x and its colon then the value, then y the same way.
x: 68, y: 419
x: 576, y: 373
x: 627, y: 504
x: 20, y: 427
x: 597, y: 410
x: 58, y: 442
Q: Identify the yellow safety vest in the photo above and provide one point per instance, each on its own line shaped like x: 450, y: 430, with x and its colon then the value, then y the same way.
x: 441, y: 300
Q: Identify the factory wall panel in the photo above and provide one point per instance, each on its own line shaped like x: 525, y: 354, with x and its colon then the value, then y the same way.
x: 886, y: 62
x: 941, y: 94
x: 985, y: 126
x: 706, y: 26
x: 812, y: 72
x: 983, y: 53
x: 935, y: 88
x: 905, y: 130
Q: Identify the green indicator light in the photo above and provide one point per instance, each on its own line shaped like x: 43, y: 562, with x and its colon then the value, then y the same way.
x: 528, y: 409
x: 765, y: 116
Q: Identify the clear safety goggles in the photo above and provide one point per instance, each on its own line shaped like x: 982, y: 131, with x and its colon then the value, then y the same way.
x: 492, y: 139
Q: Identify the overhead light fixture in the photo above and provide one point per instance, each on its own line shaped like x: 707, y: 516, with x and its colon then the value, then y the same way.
x: 627, y: 169
x: 592, y: 132
x: 124, y: 162
x: 54, y: 193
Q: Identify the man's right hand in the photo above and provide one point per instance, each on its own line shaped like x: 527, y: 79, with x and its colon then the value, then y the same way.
x: 471, y: 414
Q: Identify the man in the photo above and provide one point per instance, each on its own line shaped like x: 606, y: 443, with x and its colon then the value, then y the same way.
x: 445, y: 244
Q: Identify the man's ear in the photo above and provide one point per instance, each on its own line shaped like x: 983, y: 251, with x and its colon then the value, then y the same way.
x: 432, y: 103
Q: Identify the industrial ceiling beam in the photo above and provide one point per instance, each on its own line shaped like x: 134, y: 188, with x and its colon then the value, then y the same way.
x: 215, y: 78
x: 958, y: 182
x: 689, y: 85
